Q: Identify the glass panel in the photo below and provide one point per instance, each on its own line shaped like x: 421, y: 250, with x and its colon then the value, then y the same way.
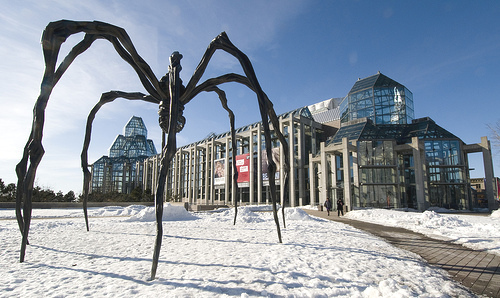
x: 135, y: 127
x: 375, y: 153
x: 377, y: 175
x: 448, y: 196
x: 446, y: 175
x: 378, y: 196
x: 443, y: 152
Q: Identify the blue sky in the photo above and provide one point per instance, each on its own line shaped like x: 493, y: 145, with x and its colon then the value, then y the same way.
x: 303, y: 52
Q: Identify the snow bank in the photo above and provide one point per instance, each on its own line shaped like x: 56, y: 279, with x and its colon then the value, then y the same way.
x: 495, y: 214
x: 478, y: 231
x: 170, y: 213
x: 252, y: 214
x: 116, y: 210
x: 296, y: 214
x: 432, y: 219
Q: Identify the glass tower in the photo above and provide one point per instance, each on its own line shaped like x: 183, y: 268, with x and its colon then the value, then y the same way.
x: 380, y: 99
x: 122, y: 171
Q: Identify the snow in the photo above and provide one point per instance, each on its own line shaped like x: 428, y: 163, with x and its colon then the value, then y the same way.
x: 205, y: 255
x: 479, y: 232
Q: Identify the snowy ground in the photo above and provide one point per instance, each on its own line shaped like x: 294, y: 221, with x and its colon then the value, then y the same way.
x: 205, y: 255
x: 479, y: 232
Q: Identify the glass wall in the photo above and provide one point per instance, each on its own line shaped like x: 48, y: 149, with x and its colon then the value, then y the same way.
x: 120, y: 171
x: 379, y: 153
x: 408, y: 103
x: 443, y: 152
x: 135, y: 127
x: 117, y: 177
x: 446, y: 174
x: 378, y: 196
x: 98, y: 174
x: 408, y: 190
x: 344, y: 110
x: 377, y: 175
x: 361, y: 104
x: 392, y: 105
x: 379, y: 98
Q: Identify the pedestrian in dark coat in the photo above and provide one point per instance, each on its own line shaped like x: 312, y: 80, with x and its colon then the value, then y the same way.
x: 340, y: 207
x: 328, y: 205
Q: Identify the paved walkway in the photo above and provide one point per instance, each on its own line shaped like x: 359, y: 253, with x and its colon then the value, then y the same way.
x: 477, y: 270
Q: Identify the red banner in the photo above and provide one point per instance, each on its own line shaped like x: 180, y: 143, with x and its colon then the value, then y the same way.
x: 243, y: 168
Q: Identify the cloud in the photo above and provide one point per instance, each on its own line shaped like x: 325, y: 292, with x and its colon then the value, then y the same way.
x: 353, y: 57
x: 388, y: 12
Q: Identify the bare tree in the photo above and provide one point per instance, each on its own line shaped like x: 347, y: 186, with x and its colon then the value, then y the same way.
x: 495, y: 133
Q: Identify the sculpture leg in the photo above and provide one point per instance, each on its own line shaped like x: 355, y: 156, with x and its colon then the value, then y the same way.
x: 286, y: 164
x: 21, y: 173
x: 168, y: 154
x: 105, y: 98
x: 235, y: 171
x: 222, y: 42
x: 223, y: 101
x: 174, y: 87
x: 36, y: 152
x: 86, y: 182
x: 27, y: 208
x: 159, y: 223
x: 271, y: 168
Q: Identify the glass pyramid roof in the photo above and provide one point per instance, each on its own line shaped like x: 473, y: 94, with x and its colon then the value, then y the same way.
x: 424, y: 128
x: 134, y: 142
x: 377, y: 80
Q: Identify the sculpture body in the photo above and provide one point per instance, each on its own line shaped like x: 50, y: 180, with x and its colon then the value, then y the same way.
x: 168, y: 92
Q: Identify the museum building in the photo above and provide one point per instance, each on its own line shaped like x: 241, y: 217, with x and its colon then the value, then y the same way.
x: 122, y: 171
x: 365, y: 148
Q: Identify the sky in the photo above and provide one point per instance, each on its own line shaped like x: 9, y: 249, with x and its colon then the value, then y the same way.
x: 303, y: 52
x: 206, y: 255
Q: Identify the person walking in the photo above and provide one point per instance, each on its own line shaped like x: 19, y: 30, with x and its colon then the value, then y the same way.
x: 340, y: 207
x: 328, y: 205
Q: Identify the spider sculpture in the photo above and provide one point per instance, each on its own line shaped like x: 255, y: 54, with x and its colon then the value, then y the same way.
x: 168, y: 92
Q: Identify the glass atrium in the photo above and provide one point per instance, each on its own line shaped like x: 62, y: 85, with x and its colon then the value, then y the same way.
x: 380, y: 99
x: 386, y: 170
x: 122, y: 171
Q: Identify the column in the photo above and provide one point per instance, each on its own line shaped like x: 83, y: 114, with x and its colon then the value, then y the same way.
x: 281, y: 165
x: 251, y: 188
x: 259, y: 164
x: 355, y: 175
x: 196, y: 165
x: 323, y: 183
x: 418, y: 160
x: 177, y: 174
x: 155, y: 175
x: 489, y: 182
x: 333, y: 161
x: 300, y: 159
x: 291, y: 143
x: 312, y: 181
x: 189, y: 177
x: 211, y: 177
x: 227, y: 185
x: 208, y: 157
x: 347, y: 174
